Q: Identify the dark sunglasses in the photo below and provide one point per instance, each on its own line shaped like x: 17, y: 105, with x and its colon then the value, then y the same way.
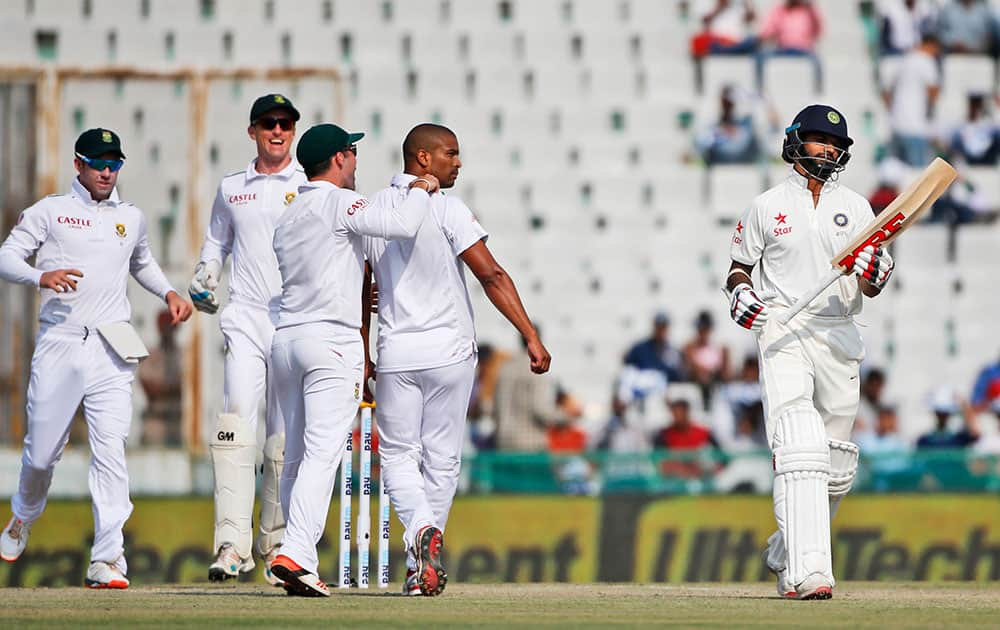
x: 100, y: 165
x: 353, y: 149
x: 270, y: 122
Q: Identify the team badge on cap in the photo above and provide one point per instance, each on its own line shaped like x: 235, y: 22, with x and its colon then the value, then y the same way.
x: 106, y: 136
x: 120, y: 230
x: 288, y: 197
x: 840, y: 218
x: 278, y: 98
x: 833, y: 117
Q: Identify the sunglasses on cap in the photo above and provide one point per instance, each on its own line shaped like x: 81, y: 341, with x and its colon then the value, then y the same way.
x: 270, y: 122
x: 100, y: 165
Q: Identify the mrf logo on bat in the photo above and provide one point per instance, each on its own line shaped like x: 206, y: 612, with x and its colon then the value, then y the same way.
x: 888, y: 227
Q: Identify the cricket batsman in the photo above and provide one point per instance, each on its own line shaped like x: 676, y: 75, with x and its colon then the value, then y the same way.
x: 246, y: 207
x: 809, y: 367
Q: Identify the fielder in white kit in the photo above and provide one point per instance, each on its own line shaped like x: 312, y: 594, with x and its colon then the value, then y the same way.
x: 809, y: 367
x: 427, y: 349
x: 317, y: 354
x: 242, y: 224
x: 86, y: 244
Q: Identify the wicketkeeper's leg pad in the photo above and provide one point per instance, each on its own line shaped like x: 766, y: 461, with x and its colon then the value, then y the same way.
x: 272, y: 520
x: 801, y: 478
x: 234, y: 454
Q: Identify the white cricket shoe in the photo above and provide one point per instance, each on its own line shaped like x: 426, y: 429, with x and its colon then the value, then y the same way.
x: 816, y: 586
x: 229, y: 565
x: 269, y: 576
x: 785, y: 587
x: 412, y: 584
x: 14, y: 539
x: 105, y: 575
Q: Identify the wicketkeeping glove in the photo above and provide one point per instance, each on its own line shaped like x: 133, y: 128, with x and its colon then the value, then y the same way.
x: 874, y: 265
x: 203, y: 285
x: 746, y: 308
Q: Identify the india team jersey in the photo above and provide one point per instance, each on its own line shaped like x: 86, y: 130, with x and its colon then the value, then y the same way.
x: 424, y: 313
x: 105, y: 240
x: 318, y: 246
x: 794, y: 242
x: 246, y: 207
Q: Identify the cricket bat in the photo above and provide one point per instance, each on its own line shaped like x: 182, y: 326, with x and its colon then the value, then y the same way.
x: 904, y: 211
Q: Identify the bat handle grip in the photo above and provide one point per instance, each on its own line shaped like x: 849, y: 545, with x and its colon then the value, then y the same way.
x: 831, y: 276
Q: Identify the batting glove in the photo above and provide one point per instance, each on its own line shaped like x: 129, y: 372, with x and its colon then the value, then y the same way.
x: 874, y: 265
x: 747, y: 309
x: 203, y: 285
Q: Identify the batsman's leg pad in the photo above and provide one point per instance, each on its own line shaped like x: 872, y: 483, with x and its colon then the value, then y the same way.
x: 843, y: 468
x: 234, y: 453
x: 801, y: 479
x: 272, y: 520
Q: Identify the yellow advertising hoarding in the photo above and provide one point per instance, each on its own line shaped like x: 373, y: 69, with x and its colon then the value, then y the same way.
x: 569, y: 539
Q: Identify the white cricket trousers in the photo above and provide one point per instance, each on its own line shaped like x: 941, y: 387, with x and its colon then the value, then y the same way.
x: 812, y: 362
x: 249, y: 331
x: 70, y: 365
x: 318, y: 371
x: 421, y: 429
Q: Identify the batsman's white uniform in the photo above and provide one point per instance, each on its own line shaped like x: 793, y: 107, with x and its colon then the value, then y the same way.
x: 247, y: 205
x: 809, y: 367
x: 426, y: 357
x: 317, y: 355
x: 72, y: 363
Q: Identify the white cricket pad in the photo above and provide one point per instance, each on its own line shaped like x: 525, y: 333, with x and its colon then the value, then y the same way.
x: 272, y: 519
x: 843, y: 468
x: 233, y: 449
x: 801, y: 477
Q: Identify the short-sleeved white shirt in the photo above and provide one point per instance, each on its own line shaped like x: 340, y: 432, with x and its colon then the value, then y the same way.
x: 425, y: 316
x: 916, y: 73
x: 792, y: 242
x: 104, y: 240
x: 317, y: 243
x: 246, y: 207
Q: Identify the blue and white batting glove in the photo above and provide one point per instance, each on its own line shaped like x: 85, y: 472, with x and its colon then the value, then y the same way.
x: 747, y: 309
x: 874, y: 265
x: 203, y: 285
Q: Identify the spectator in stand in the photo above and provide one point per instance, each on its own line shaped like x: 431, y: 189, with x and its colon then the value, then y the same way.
x: 987, y: 388
x: 793, y: 29
x: 910, y: 97
x: 725, y: 31
x: 732, y: 139
x: 901, y: 23
x: 524, y: 405
x: 706, y: 361
x: 565, y: 435
x: 945, y: 404
x: 872, y: 386
x: 160, y: 377
x: 683, y: 435
x: 989, y: 444
x: 656, y: 353
x: 962, y: 203
x: 890, y: 172
x: 739, y: 395
x: 888, y: 454
x: 977, y: 141
x: 750, y: 434
x: 968, y: 27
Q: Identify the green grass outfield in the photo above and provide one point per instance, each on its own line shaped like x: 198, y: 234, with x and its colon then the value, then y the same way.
x: 730, y: 606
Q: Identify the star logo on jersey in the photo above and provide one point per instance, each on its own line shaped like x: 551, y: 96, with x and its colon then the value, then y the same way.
x: 120, y: 230
x: 781, y: 218
x: 288, y: 197
x: 782, y: 221
x: 739, y: 227
x: 739, y: 230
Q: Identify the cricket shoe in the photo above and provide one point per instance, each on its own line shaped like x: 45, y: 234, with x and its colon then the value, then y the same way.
x: 229, y: 565
x: 14, y: 539
x: 412, y: 585
x: 268, y: 574
x: 785, y: 588
x: 816, y: 586
x: 105, y: 575
x: 430, y: 572
x: 297, y: 580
